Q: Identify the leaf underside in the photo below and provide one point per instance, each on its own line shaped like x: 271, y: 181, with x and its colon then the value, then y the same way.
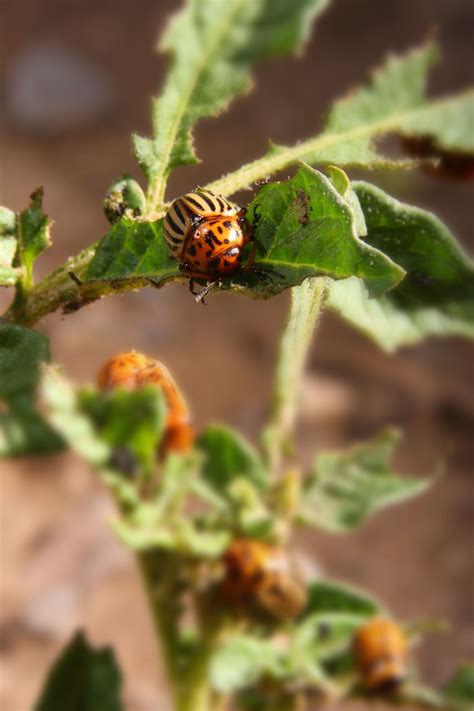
x: 213, y: 47
x: 346, y: 488
x: 437, y: 295
x: 394, y: 102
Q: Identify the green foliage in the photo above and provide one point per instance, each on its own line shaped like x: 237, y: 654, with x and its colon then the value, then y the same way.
x: 33, y: 237
x: 305, y: 228
x: 346, y: 488
x: 391, y: 270
x: 327, y: 596
x: 124, y: 196
x: 61, y: 400
x: 133, y: 250
x: 23, y: 238
x: 165, y: 521
x: 82, y: 679
x: 322, y: 634
x: 394, y: 102
x: 241, y: 661
x: 437, y: 295
x: 127, y: 421
x: 8, y: 243
x: 23, y: 429
x: 214, y: 46
x: 229, y: 457
x: 459, y: 690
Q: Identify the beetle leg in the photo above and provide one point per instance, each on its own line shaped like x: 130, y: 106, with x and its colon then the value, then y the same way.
x: 205, y: 291
x: 191, y: 285
x: 257, y: 215
x: 200, y: 296
x: 252, y: 255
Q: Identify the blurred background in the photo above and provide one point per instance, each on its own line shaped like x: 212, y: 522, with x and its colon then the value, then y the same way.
x: 76, y: 80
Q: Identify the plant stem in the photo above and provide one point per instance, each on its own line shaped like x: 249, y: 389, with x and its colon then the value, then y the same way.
x: 195, y: 693
x: 55, y: 290
x: 189, y: 682
x: 306, y: 303
x: 315, y: 150
x: 158, y: 580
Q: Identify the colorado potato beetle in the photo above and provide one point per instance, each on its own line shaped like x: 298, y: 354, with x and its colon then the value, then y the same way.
x: 134, y: 370
x: 380, y: 650
x: 207, y: 234
x: 260, y: 574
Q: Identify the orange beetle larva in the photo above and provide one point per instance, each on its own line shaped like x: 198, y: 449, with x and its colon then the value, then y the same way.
x: 259, y: 573
x: 134, y: 370
x: 380, y: 649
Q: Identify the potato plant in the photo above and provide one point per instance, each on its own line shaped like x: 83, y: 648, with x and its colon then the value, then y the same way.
x: 208, y: 519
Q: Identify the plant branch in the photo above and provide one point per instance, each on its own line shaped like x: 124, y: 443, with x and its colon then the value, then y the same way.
x: 282, y: 157
x: 306, y: 303
x: 159, y: 580
x: 57, y: 289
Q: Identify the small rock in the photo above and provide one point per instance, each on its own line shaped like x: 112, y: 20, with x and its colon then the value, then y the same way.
x: 49, y: 88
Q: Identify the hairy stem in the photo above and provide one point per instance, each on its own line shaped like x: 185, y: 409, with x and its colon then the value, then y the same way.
x: 315, y: 150
x: 306, y: 303
x: 56, y: 290
x: 159, y: 579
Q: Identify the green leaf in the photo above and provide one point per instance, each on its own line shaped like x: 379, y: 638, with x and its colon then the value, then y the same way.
x: 322, y: 637
x: 22, y: 428
x: 417, y: 696
x: 133, y: 250
x: 228, y: 457
x: 124, y: 196
x: 331, y: 597
x: 82, y: 679
x: 33, y: 237
x: 306, y: 228
x: 394, y: 102
x: 61, y: 400
x: 242, y: 660
x: 133, y: 421
x: 166, y: 521
x: 214, y: 45
x: 8, y: 244
x: 324, y: 631
x: 437, y: 295
x: 460, y: 688
x: 347, y: 488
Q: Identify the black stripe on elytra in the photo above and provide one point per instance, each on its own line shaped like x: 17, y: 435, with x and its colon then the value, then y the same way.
x: 222, y: 204
x: 173, y: 224
x: 169, y: 238
x: 207, y: 200
x: 194, y: 202
x: 177, y: 210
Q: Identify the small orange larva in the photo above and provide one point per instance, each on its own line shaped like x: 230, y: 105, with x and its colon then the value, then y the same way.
x: 259, y: 573
x: 135, y: 370
x: 380, y: 649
